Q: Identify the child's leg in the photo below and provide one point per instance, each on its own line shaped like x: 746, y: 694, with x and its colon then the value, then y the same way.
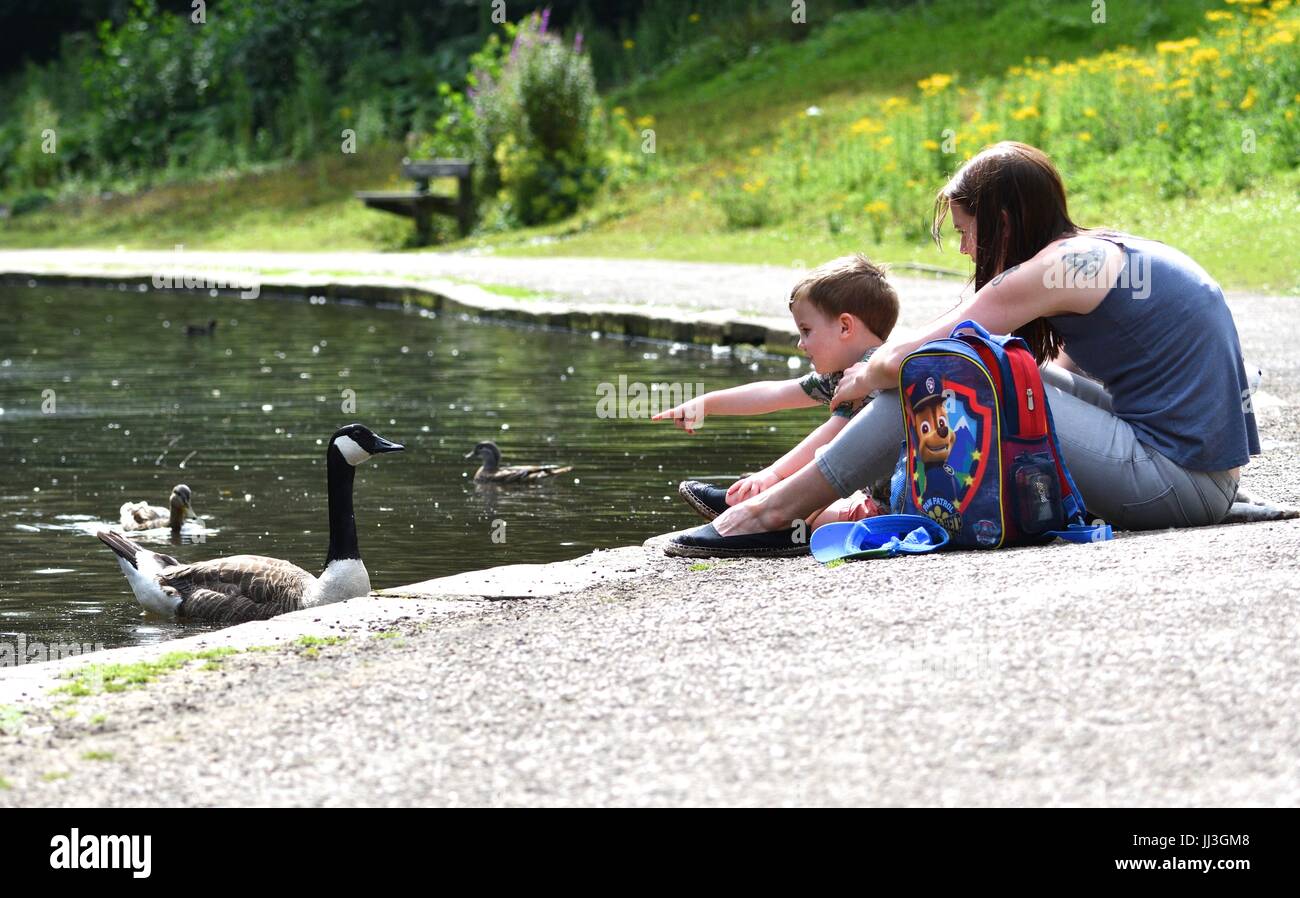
x: 852, y: 508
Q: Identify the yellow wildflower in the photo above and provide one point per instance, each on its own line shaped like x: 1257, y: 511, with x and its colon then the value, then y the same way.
x: 1249, y: 99
x: 1203, y: 54
x: 1025, y: 112
x: 693, y: 18
x: 930, y: 144
x: 1218, y: 15
x: 1084, y: 136
x: 1162, y: 127
x: 935, y: 84
x: 866, y: 126
x: 876, y: 207
x: 628, y: 43
x: 1089, y: 112
x: 1173, y: 48
x: 696, y: 196
x: 645, y: 121
x: 884, y: 143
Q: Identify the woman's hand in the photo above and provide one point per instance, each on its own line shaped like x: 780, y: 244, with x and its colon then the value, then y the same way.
x: 752, y: 486
x: 854, y: 386
x: 687, y: 416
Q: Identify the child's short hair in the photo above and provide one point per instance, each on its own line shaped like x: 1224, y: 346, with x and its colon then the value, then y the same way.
x: 851, y: 284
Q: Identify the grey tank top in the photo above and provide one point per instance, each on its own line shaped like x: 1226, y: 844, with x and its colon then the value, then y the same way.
x: 1164, y: 343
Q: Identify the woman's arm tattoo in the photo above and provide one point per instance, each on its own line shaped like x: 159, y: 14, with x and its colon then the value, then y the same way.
x: 998, y: 279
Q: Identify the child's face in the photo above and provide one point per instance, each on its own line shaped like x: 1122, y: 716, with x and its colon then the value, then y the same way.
x: 827, y: 340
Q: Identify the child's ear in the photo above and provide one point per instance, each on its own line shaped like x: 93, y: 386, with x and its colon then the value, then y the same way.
x: 847, y: 324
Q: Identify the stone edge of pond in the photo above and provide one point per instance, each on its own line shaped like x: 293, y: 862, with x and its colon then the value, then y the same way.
x: 668, y: 323
x: 443, y: 597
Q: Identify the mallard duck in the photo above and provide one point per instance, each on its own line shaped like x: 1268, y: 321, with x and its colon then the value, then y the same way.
x: 143, y: 516
x: 201, y: 330
x: 252, y: 587
x: 492, y: 472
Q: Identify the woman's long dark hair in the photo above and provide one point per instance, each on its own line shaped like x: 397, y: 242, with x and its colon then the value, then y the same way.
x: 1021, y: 181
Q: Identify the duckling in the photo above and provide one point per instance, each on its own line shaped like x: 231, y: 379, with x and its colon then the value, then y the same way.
x: 143, y: 516
x: 492, y: 472
x: 201, y: 330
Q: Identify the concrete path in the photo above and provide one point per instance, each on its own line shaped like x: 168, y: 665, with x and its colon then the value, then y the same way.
x: 694, y: 286
x: 1161, y: 668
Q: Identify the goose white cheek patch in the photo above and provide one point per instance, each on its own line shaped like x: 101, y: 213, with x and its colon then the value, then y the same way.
x: 353, y: 454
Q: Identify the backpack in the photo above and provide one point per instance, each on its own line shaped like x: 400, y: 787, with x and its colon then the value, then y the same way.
x: 981, y: 456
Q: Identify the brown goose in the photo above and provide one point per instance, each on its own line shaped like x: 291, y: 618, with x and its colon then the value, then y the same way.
x: 143, y: 516
x: 492, y: 472
x: 253, y: 587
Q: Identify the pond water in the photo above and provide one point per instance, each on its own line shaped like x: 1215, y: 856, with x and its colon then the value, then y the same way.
x: 106, y: 400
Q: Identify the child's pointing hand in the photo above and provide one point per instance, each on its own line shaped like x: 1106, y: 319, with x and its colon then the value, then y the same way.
x: 687, y: 416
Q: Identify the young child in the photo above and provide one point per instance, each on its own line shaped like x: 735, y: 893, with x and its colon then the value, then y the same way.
x: 843, y: 310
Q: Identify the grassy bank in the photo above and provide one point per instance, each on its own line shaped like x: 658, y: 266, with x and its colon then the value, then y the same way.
x: 1176, y: 120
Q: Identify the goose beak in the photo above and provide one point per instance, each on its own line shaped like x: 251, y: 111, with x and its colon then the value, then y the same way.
x: 383, y: 445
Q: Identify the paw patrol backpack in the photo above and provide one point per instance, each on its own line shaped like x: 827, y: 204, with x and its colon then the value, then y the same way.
x: 981, y: 457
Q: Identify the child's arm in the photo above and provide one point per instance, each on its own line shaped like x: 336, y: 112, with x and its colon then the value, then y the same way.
x: 747, y: 399
x: 792, y: 461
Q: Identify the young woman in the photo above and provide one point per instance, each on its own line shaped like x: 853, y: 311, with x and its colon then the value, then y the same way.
x: 1155, y: 433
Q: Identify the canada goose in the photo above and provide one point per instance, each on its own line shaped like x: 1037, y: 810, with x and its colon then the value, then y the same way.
x: 252, y: 587
x: 201, y: 330
x: 143, y: 516
x: 492, y: 472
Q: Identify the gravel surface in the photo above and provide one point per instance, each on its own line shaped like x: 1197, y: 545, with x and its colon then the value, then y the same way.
x: 1146, y: 675
x: 1158, y: 669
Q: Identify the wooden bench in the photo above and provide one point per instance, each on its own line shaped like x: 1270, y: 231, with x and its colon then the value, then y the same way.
x: 420, y: 204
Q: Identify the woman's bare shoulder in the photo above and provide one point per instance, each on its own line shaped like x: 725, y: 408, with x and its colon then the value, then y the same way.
x: 1085, y: 267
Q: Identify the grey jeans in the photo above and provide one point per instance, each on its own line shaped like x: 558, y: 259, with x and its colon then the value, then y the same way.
x: 1125, y: 482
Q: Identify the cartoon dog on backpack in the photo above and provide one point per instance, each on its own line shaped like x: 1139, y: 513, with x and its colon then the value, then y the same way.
x: 936, y: 481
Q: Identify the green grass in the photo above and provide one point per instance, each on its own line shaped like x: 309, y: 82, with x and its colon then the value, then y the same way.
x: 700, y: 566
x: 51, y: 776
x: 94, y: 679
x: 301, y: 206
x: 320, y: 641
x: 11, y: 720
x: 98, y: 756
x: 5, y: 785
x: 718, y: 125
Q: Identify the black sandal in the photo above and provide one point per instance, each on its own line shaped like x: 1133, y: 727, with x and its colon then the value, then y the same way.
x: 710, y: 501
x: 706, y: 542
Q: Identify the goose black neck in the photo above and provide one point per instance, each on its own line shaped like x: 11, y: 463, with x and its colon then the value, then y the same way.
x: 343, y: 524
